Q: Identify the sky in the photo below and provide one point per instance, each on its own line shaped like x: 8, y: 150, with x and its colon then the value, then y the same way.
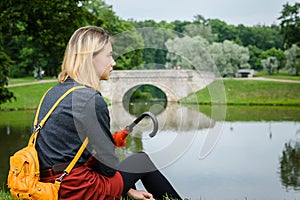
x: 246, y: 12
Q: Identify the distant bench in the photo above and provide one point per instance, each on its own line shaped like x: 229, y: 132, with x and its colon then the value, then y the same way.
x: 243, y: 73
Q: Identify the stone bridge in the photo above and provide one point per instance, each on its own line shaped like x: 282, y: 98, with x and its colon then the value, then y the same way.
x: 176, y: 84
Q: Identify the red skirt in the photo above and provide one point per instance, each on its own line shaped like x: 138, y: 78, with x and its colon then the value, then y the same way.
x: 84, y: 183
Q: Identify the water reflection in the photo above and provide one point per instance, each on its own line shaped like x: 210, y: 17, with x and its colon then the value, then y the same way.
x: 254, y: 158
x: 290, y: 164
x: 243, y: 164
x: 142, y: 98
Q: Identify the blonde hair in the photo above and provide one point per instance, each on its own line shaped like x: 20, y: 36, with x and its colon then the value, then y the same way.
x: 85, y: 43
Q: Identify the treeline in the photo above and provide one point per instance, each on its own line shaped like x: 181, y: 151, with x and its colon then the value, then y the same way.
x: 34, y: 35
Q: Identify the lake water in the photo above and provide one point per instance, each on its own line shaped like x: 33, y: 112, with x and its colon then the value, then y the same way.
x: 253, y: 153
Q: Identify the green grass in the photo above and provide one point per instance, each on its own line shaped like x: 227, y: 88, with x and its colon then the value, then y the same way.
x: 247, y: 92
x: 7, y: 196
x: 283, y: 74
x: 27, y: 97
x: 25, y: 80
x: 227, y: 91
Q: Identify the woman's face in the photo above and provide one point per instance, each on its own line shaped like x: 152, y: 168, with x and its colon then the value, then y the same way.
x: 104, y: 62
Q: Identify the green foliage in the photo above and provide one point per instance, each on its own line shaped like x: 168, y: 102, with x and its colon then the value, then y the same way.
x: 223, y: 30
x: 262, y: 37
x: 278, y: 54
x: 293, y: 59
x: 127, y: 42
x: 39, y: 30
x: 34, y: 35
x: 189, y: 53
x: 128, y: 49
x: 103, y: 15
x: 5, y: 62
x: 229, y: 57
x: 290, y: 24
x: 194, y: 30
x: 198, y: 53
x: 271, y: 64
x: 154, y: 36
x: 43, y: 25
x: 255, y: 57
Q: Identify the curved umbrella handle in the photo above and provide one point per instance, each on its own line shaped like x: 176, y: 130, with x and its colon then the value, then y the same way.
x: 137, y: 120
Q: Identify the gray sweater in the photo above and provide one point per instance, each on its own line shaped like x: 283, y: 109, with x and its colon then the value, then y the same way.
x: 83, y: 113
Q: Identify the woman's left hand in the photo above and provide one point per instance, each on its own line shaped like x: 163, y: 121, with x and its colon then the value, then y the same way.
x: 139, y: 194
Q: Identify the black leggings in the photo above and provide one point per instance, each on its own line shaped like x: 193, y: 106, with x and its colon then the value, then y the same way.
x: 140, y: 167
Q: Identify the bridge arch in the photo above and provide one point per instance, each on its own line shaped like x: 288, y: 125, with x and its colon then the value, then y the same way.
x: 176, y: 84
x: 170, y: 96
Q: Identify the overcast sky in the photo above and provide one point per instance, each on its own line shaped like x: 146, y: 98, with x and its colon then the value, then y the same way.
x: 247, y: 12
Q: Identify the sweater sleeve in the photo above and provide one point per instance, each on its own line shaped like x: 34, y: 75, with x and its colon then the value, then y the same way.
x: 92, y: 120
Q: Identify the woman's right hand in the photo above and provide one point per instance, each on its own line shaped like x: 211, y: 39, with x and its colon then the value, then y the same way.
x: 139, y: 194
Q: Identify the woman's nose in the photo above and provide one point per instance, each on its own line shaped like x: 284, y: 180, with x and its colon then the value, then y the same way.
x: 113, y: 63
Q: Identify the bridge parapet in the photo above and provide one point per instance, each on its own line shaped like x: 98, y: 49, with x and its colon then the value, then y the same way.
x: 176, y: 84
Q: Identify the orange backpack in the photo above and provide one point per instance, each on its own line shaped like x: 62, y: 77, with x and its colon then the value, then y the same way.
x: 24, y: 174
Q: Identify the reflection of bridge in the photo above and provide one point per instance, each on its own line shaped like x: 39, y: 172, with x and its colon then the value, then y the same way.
x: 176, y: 84
x: 175, y: 117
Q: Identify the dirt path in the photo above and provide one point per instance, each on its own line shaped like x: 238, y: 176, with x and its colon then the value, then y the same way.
x: 254, y: 78
x: 32, y: 83
x: 269, y: 79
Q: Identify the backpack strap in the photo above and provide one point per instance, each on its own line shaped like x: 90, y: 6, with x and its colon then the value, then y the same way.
x: 38, y: 127
x: 73, y: 162
x: 43, y: 121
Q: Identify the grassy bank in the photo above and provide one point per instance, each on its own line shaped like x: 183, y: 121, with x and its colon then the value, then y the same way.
x: 5, y: 196
x: 247, y: 92
x: 27, y: 96
x: 237, y: 92
x: 282, y: 74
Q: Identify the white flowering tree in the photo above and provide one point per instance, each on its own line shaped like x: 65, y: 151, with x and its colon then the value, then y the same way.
x: 190, y: 53
x: 229, y: 57
x: 293, y: 59
x: 271, y: 64
x: 198, y: 53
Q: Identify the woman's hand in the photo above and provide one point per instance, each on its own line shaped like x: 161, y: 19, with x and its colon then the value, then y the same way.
x: 139, y: 194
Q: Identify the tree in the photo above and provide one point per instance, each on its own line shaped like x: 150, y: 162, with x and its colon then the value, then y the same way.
x: 262, y: 37
x: 155, y: 34
x: 271, y: 64
x: 222, y: 30
x: 189, y: 53
x: 5, y: 62
x: 35, y: 33
x: 128, y: 47
x: 49, y: 24
x: 127, y: 42
x: 103, y: 15
x: 179, y: 25
x: 229, y: 57
x: 290, y: 24
x: 293, y: 59
x: 200, y: 19
x: 197, y: 29
x: 276, y: 53
x: 255, y: 57
x: 198, y: 53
